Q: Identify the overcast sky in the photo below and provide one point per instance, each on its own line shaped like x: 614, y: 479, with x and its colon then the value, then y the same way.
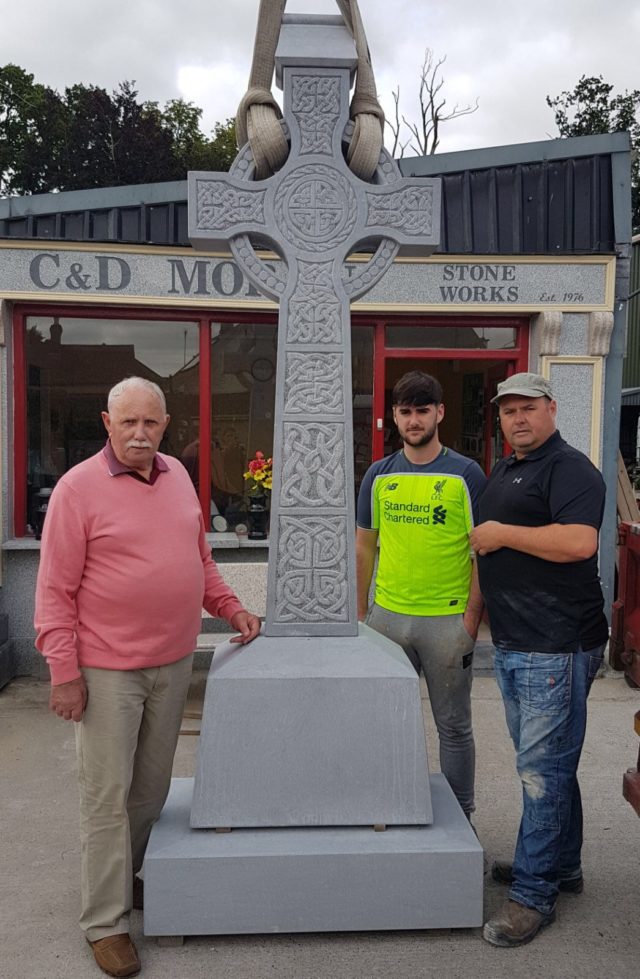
x: 507, y: 53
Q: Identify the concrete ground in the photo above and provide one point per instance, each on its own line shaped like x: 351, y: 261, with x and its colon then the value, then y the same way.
x: 597, y: 934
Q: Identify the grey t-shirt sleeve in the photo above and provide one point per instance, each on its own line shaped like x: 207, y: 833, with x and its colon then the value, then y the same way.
x: 476, y: 481
x: 363, y: 511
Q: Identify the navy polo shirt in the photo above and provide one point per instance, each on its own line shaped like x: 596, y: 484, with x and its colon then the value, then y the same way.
x: 536, y: 605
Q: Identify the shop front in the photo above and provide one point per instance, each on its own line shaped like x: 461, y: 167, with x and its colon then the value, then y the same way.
x: 82, y: 307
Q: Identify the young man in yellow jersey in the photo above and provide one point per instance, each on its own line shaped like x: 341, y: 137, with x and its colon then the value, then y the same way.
x: 419, y: 505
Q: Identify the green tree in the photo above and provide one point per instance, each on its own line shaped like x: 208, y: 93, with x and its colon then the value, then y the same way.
x: 591, y: 108
x: 192, y: 149
x: 30, y: 120
x: 223, y: 148
x: 111, y: 140
x: 89, y: 138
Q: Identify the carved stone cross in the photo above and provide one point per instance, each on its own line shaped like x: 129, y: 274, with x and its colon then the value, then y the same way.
x: 314, y: 213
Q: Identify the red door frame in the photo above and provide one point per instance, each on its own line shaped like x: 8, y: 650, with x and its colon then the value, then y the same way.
x: 515, y: 358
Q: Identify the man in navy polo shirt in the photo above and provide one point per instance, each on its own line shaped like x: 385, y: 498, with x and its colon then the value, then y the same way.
x: 537, y: 545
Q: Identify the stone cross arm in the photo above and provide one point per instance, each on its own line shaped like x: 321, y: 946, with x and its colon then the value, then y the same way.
x: 403, y: 212
x: 320, y: 202
x: 315, y: 213
x: 225, y: 207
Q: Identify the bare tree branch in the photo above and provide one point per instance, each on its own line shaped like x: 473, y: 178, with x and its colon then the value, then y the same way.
x: 424, y: 135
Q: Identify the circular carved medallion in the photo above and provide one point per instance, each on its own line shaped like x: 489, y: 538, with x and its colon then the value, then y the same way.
x: 315, y: 208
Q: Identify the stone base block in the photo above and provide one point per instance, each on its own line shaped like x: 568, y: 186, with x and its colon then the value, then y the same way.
x: 199, y: 882
x: 322, y: 731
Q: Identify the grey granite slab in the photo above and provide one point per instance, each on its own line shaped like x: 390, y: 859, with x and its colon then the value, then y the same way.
x: 312, y: 732
x: 199, y: 882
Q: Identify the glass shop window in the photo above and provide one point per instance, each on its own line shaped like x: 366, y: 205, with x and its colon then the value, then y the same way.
x: 362, y: 380
x: 243, y: 391
x: 467, y: 337
x: 71, y: 365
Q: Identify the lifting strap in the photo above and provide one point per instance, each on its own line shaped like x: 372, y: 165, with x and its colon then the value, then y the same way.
x: 258, y: 116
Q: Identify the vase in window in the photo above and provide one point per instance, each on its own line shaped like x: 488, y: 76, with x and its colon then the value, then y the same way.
x: 258, y: 475
x: 258, y: 516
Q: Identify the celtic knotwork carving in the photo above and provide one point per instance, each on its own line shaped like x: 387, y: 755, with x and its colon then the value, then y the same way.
x: 272, y: 278
x: 315, y: 312
x: 316, y: 105
x: 311, y: 579
x: 364, y: 277
x: 320, y: 320
x: 220, y: 206
x: 315, y: 208
x: 409, y: 210
x: 314, y: 213
x: 314, y: 465
x: 313, y: 384
x: 318, y: 95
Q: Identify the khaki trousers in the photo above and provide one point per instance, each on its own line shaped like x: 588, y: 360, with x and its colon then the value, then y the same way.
x: 125, y: 745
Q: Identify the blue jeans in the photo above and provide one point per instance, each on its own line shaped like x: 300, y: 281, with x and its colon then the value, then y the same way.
x: 545, y: 700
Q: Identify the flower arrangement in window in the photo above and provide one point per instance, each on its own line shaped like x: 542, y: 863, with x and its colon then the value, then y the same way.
x: 259, y: 475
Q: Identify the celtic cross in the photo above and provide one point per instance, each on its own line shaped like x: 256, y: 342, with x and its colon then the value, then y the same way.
x: 314, y: 213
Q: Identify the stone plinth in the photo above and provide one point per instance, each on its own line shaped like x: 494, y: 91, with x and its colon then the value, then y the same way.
x: 256, y: 881
x: 312, y: 732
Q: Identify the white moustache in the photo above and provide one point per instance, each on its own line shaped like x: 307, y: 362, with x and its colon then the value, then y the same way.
x: 134, y: 444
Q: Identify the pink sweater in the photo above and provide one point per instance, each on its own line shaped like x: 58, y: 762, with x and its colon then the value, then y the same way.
x: 124, y: 571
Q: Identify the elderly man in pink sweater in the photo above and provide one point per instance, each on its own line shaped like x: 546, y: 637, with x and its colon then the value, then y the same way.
x: 124, y: 573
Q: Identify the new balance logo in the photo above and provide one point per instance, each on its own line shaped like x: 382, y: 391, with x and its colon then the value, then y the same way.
x: 518, y: 479
x: 392, y: 486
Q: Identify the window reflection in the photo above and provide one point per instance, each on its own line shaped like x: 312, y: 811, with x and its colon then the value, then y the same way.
x: 72, y: 362
x: 71, y: 365
x: 243, y: 368
x: 362, y: 379
x: 445, y: 337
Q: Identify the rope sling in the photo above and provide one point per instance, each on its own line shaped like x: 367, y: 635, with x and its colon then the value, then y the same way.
x: 258, y: 117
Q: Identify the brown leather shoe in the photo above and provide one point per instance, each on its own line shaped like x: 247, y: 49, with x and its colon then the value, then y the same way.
x: 515, y: 924
x: 138, y: 894
x: 116, y: 955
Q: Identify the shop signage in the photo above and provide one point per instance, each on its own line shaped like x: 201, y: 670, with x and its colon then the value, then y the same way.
x: 173, y: 278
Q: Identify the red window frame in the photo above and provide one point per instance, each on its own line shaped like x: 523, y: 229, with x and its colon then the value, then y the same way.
x: 175, y: 314
x: 515, y: 358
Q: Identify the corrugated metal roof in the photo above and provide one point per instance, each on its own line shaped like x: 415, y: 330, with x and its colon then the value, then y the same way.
x: 547, y: 198
x: 554, y: 197
x: 630, y: 396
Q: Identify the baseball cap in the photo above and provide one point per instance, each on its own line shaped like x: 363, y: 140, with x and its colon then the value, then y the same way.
x: 526, y: 385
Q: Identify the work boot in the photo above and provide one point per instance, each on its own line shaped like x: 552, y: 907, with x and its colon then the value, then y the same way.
x: 116, y: 955
x: 515, y: 924
x: 502, y: 873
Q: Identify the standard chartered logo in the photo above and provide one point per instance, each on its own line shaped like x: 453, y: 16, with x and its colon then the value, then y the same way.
x: 413, y: 513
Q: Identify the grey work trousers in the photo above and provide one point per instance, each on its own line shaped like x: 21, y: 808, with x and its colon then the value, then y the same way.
x: 442, y: 647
